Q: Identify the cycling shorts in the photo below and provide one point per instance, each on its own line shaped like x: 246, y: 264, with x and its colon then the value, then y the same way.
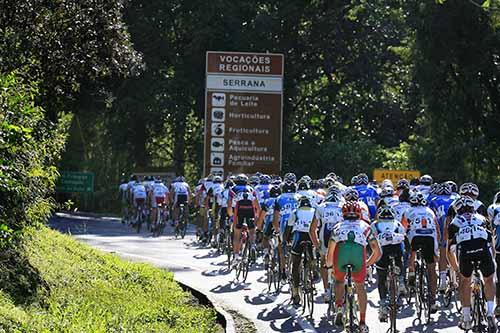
x: 349, y: 253
x: 242, y: 219
x: 297, y: 246
x: 181, y: 199
x: 475, y: 250
x: 140, y: 201
x: 268, y: 226
x: 158, y: 201
x: 392, y: 250
x: 427, y: 246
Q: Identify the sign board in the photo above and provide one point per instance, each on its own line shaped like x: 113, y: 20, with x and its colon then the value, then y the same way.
x: 243, y: 113
x: 380, y: 174
x: 80, y: 182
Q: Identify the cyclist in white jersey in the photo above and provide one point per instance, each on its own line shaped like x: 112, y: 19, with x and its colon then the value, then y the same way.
x: 328, y: 214
x: 158, y: 195
x: 123, y: 196
x: 180, y: 194
x: 494, y: 220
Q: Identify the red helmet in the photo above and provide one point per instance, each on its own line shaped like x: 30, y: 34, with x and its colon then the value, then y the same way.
x: 351, y: 210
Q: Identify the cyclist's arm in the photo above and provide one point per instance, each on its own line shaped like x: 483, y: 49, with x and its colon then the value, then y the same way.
x: 312, y: 232
x: 452, y: 259
x: 376, y: 252
x: 276, y: 220
x: 260, y: 219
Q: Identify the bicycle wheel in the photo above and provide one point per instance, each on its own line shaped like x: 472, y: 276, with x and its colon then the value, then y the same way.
x: 310, y: 287
x: 269, y: 271
x: 276, y: 270
x: 246, y: 260
x: 393, y: 299
x: 229, y: 248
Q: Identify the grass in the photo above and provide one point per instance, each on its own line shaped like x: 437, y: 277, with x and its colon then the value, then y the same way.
x: 81, y: 289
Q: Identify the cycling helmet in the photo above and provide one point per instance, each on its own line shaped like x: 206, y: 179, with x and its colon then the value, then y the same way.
x: 417, y: 198
x: 385, y: 212
x: 321, y: 183
x: 133, y: 178
x: 351, y: 195
x: 496, y: 198
x: 315, y: 185
x: 306, y: 178
x: 277, y: 181
x: 217, y: 179
x: 463, y: 204
x: 210, y: 177
x: 265, y: 179
x: 229, y: 183
x: 434, y: 188
x: 288, y: 187
x: 334, y: 194
x: 387, y: 191
x: 454, y: 187
x: 241, y: 179
x: 354, y: 180
x: 274, y: 192
x: 425, y: 180
x: 254, y: 180
x: 303, y: 185
x: 331, y: 175
x: 329, y: 182
x: 403, y: 184
x: 387, y: 182
x: 304, y: 201
x: 362, y: 179
x: 290, y: 177
x: 181, y: 179
x: 444, y: 189
x: 469, y: 189
x: 351, y: 210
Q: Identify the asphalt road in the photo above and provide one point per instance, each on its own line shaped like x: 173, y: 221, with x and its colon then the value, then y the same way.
x: 202, y: 269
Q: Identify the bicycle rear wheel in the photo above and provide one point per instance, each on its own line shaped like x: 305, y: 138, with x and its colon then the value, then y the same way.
x: 246, y: 260
x: 276, y: 270
x: 229, y: 248
x: 393, y: 301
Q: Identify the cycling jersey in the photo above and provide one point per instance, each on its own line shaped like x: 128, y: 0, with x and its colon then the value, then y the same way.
x: 285, y: 204
x: 494, y: 216
x: 390, y: 201
x: 420, y: 221
x: 368, y: 194
x: 262, y: 192
x: 123, y: 191
x: 268, y: 207
x: 440, y: 205
x: 139, y: 193
x: 180, y: 189
x: 466, y: 227
x: 400, y: 209
x: 160, y: 192
x: 328, y: 215
x: 215, y: 192
x: 302, y: 218
x: 388, y: 232
x: 356, y: 231
x: 244, y: 212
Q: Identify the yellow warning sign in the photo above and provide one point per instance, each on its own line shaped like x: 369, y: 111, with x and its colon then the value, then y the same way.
x: 394, y: 175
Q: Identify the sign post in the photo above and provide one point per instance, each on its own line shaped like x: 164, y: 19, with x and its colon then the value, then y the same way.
x: 75, y: 182
x: 381, y: 174
x: 243, y: 113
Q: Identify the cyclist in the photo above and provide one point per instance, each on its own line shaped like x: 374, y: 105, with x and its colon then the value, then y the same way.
x: 367, y: 193
x: 212, y: 205
x: 199, y: 203
x: 222, y: 199
x: 304, y: 230
x: 424, y: 185
x: 469, y: 232
x: 403, y: 203
x: 139, y: 196
x: 179, y: 194
x: 351, y: 194
x: 390, y: 234
x: 494, y: 219
x: 403, y: 184
x: 245, y: 210
x: 122, y: 195
x: 347, y: 246
x: 265, y: 220
x: 159, y: 196
x: 387, y: 196
x: 284, y: 205
x: 328, y: 214
x: 423, y: 233
x: 440, y: 204
x: 263, y: 188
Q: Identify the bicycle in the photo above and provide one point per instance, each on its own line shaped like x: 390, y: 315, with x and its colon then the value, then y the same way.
x: 273, y: 267
x: 244, y: 265
x: 478, y: 301
x: 422, y: 290
x: 161, y: 217
x: 351, y: 308
x: 140, y: 217
x: 181, y: 226
x: 307, y: 278
x: 393, y: 272
x: 451, y: 292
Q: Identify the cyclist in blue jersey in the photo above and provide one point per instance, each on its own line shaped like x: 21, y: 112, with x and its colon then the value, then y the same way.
x: 265, y: 220
x: 284, y: 205
x: 440, y: 203
x: 263, y: 188
x: 367, y: 193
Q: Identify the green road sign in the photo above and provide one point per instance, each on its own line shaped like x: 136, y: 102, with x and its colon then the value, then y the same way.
x: 75, y: 182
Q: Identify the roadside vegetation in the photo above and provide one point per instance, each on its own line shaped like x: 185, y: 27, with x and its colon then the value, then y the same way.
x: 79, y: 289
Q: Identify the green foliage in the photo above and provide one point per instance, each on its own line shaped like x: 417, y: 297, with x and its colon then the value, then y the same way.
x: 95, y: 292
x: 30, y: 147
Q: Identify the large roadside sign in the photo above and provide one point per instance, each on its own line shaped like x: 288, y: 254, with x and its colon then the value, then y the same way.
x: 381, y: 174
x: 243, y: 113
x: 75, y: 182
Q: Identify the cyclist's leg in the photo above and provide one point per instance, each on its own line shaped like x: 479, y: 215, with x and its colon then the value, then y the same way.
x: 238, y: 224
x: 429, y: 253
x: 339, y: 275
x: 487, y: 268
x: 297, y: 250
x: 443, y: 261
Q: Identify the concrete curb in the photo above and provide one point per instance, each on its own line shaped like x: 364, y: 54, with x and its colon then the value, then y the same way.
x: 223, y: 316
